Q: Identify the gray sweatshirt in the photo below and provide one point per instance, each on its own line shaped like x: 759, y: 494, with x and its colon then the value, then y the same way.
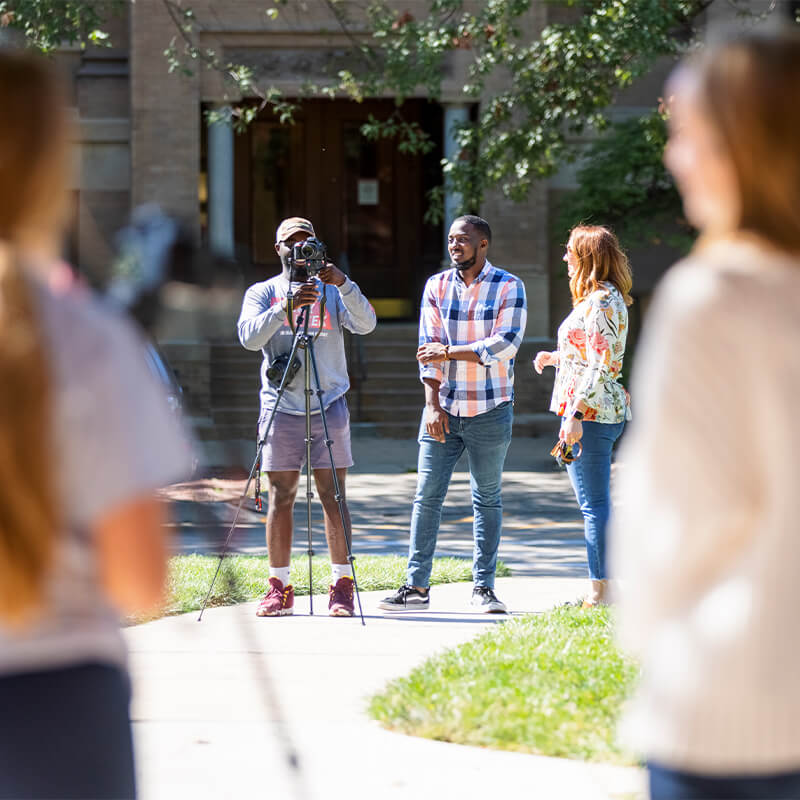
x: 263, y: 325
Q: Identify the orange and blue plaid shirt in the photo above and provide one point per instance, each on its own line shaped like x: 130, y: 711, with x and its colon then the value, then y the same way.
x: 489, y: 315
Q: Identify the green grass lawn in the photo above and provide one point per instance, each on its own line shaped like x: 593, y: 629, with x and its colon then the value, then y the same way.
x: 245, y: 577
x: 551, y: 684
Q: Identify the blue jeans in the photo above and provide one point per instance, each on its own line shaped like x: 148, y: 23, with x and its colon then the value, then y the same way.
x: 671, y: 784
x: 591, y: 476
x: 486, y: 439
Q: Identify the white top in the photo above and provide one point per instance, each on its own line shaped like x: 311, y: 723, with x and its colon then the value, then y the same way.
x: 114, y: 439
x: 706, y: 541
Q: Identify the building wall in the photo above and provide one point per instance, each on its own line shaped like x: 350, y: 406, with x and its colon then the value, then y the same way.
x: 165, y: 118
x: 102, y: 136
x: 140, y: 128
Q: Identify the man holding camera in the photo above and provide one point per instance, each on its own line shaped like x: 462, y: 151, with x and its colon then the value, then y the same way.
x: 471, y: 325
x: 264, y: 325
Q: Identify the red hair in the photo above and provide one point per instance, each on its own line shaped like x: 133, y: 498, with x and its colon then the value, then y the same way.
x: 600, y: 259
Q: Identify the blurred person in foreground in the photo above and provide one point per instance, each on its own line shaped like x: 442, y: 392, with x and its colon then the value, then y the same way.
x: 85, y: 439
x: 588, y: 394
x: 706, y: 538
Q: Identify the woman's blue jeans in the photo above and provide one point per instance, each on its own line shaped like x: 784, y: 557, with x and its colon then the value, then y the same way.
x: 485, y: 438
x: 670, y: 784
x: 591, y: 477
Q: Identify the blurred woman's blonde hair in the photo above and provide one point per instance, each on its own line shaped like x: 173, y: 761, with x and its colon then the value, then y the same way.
x: 749, y: 88
x: 33, y: 202
x: 600, y: 259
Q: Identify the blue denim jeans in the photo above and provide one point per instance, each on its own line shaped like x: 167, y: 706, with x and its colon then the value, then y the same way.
x: 591, y: 476
x: 671, y: 784
x: 486, y: 439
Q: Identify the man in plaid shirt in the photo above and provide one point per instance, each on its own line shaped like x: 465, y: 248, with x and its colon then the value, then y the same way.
x: 471, y: 325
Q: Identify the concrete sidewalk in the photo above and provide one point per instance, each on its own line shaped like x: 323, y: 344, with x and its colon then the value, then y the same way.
x: 223, y: 708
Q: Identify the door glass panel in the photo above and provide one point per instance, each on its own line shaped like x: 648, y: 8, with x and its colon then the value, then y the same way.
x: 272, y: 188
x: 368, y: 218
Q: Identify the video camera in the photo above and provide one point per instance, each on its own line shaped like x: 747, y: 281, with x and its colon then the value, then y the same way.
x: 311, y: 253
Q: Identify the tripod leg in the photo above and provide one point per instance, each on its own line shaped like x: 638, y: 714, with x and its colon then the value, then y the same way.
x: 257, y: 488
x: 311, y: 359
x: 233, y: 524
x: 309, y: 492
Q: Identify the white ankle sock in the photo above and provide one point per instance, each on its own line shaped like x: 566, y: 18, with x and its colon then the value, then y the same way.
x: 340, y: 571
x: 281, y: 573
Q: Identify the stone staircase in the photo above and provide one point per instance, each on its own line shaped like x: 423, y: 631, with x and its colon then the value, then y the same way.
x: 221, y: 383
x: 391, y: 396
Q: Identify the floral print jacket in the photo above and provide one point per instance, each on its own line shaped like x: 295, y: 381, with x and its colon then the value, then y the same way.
x: 591, y: 344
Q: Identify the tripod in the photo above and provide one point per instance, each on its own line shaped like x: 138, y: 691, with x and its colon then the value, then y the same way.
x: 302, y: 340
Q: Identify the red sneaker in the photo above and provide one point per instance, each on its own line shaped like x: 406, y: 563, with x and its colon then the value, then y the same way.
x: 278, y: 601
x: 340, y: 602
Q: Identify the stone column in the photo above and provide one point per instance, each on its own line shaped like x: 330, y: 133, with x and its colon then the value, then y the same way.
x: 220, y: 188
x: 454, y: 114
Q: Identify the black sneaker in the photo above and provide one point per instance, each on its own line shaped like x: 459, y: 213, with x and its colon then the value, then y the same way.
x: 486, y: 601
x: 407, y: 598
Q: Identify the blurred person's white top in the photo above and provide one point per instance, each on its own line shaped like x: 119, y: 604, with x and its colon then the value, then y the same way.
x: 706, y: 539
x: 114, y: 439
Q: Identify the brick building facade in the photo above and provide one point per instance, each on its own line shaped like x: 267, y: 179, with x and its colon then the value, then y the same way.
x: 143, y: 138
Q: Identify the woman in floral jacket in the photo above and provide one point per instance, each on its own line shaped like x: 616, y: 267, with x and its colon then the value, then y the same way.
x: 592, y: 403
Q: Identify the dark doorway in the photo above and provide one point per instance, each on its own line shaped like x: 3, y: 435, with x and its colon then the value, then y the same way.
x: 367, y: 200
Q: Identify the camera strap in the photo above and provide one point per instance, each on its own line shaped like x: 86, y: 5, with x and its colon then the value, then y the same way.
x: 290, y: 309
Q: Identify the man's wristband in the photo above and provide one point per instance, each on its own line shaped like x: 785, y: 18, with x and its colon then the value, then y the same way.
x: 447, y: 352
x: 578, y: 415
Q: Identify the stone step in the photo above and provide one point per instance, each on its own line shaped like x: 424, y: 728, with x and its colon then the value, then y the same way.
x: 235, y: 409
x: 235, y: 386
x: 383, y: 397
x: 393, y: 330
x: 236, y: 415
x: 227, y: 432
x: 544, y: 426
x: 239, y: 360
x: 390, y: 373
x: 393, y: 413
x: 374, y: 353
x: 404, y: 429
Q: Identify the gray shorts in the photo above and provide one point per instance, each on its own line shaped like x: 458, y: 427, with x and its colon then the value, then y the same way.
x: 285, y: 448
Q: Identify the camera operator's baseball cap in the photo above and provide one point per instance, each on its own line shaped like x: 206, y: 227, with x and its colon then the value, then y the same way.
x: 293, y: 225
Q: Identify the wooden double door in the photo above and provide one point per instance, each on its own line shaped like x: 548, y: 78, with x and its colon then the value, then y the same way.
x: 366, y: 199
